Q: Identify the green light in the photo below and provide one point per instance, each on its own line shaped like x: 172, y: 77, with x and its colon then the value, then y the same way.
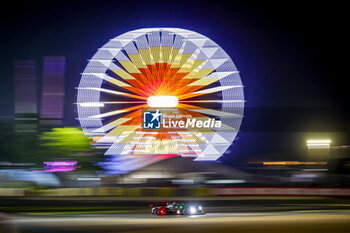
x: 180, y: 206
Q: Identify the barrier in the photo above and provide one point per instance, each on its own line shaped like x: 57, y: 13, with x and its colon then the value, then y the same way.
x: 15, y: 192
x: 281, y: 191
x: 179, y: 192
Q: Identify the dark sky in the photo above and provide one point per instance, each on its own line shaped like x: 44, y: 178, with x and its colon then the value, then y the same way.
x: 291, y: 54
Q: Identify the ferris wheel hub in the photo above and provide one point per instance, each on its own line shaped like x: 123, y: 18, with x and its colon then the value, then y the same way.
x: 162, y: 101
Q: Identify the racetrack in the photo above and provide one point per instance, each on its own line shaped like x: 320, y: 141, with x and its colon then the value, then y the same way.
x: 241, y: 215
x: 292, y: 221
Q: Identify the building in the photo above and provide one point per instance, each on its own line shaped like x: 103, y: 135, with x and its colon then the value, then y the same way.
x: 26, y: 104
x: 184, y: 171
x: 52, y: 99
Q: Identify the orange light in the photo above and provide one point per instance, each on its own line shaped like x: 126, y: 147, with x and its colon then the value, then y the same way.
x: 291, y: 163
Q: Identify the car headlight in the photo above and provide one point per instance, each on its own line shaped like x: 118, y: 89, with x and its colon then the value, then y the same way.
x: 192, y: 210
x: 200, y: 207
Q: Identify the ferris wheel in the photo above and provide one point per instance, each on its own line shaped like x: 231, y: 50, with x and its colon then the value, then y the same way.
x: 175, y: 75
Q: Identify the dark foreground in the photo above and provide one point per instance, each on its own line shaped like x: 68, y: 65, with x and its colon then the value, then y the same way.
x: 263, y: 215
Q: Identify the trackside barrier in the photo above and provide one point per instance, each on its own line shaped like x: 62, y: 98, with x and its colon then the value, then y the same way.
x: 178, y: 192
x: 201, y: 192
x: 272, y: 191
x: 165, y: 192
x: 14, y: 192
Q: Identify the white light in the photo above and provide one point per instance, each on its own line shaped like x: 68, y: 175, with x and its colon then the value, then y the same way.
x: 92, y: 104
x: 88, y: 178
x: 225, y: 181
x: 182, y: 181
x: 318, y: 144
x: 192, y: 210
x: 326, y: 141
x: 200, y: 207
x: 162, y: 101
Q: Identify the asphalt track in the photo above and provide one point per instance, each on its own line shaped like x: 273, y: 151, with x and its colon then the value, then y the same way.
x: 272, y: 222
x: 287, y: 215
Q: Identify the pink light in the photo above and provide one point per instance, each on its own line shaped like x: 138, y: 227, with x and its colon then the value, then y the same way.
x: 57, y: 170
x: 60, y: 163
x: 59, y: 166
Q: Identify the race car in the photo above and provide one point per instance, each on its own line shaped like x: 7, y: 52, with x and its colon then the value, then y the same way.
x: 169, y: 208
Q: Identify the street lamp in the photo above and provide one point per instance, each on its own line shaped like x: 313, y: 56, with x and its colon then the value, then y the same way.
x: 318, y: 144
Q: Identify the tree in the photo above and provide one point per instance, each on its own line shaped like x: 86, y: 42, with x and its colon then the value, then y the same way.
x: 68, y: 143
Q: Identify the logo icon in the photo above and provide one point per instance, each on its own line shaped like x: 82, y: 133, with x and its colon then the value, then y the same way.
x: 151, y: 120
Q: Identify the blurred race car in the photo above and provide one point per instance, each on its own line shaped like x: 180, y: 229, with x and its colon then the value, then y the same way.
x: 168, y: 208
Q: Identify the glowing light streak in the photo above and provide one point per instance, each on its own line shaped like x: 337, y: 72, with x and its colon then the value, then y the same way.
x: 91, y: 104
x: 162, y: 101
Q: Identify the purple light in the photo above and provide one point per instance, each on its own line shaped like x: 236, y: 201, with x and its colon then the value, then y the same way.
x: 59, y: 166
x: 57, y: 170
x: 60, y: 163
x: 52, y: 100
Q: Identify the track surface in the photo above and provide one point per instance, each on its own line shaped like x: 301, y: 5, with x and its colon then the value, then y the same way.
x: 314, y: 221
x: 273, y: 216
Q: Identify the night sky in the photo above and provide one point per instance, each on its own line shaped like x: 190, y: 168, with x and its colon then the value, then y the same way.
x: 290, y: 55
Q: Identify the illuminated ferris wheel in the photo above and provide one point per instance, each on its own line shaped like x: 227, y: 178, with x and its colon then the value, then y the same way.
x: 185, y: 81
